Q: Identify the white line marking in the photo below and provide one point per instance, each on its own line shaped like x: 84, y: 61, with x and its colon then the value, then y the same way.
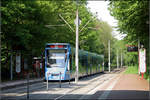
x: 62, y: 95
x: 76, y: 88
x: 101, y: 84
x: 13, y: 94
x: 95, y: 89
x: 106, y: 93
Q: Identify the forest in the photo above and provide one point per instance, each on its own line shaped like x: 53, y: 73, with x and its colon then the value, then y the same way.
x: 133, y: 20
x: 28, y: 25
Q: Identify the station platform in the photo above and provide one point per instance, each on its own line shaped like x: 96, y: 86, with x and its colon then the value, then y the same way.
x: 130, y: 86
x: 124, y: 87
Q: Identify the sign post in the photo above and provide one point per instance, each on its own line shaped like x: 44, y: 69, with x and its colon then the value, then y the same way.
x: 48, y: 73
x: 11, y: 66
x: 142, y: 61
x: 28, y: 86
x: 18, y: 62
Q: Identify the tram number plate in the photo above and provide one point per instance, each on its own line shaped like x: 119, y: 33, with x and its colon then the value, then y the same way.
x: 55, y: 74
x: 55, y: 77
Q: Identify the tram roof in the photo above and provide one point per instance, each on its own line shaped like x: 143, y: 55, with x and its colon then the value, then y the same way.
x: 82, y: 52
x: 57, y: 44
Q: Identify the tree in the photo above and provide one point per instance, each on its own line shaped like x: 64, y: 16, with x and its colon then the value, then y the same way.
x: 23, y: 27
x: 133, y: 20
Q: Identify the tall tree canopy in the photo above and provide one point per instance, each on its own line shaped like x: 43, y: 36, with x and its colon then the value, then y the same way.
x: 133, y: 20
x: 24, y: 24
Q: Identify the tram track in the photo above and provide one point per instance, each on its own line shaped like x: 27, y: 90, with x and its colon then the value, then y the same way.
x: 22, y: 91
x: 91, y: 82
x: 103, y: 78
x: 42, y: 86
x: 39, y: 85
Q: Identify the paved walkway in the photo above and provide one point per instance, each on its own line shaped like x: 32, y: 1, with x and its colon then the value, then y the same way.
x: 125, y: 87
x: 130, y: 86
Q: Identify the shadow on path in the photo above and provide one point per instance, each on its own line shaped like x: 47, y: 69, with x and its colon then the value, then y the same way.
x: 109, y: 95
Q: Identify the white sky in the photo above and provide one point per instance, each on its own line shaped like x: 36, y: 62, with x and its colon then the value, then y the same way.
x: 103, y: 13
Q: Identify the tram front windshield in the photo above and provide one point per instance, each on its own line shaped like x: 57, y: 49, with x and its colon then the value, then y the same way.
x: 56, y: 58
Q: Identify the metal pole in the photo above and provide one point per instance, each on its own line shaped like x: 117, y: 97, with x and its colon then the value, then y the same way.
x: 0, y: 57
x: 90, y: 69
x: 138, y: 53
x: 69, y: 77
x: 109, y: 54
x: 117, y: 60
x: 47, y: 80
x: 85, y: 25
x: 28, y: 86
x: 103, y: 65
x: 77, y: 46
x: 66, y: 22
x: 96, y: 68
x: 138, y: 43
x: 60, y: 80
x: 11, y: 67
x: 121, y: 58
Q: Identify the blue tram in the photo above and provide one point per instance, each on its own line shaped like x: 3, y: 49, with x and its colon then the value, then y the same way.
x: 59, y: 62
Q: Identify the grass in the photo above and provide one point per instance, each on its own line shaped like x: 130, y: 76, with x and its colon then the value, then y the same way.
x: 131, y: 70
x: 134, y: 70
x: 146, y: 77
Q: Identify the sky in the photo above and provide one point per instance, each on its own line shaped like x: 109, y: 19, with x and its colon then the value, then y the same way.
x: 103, y: 13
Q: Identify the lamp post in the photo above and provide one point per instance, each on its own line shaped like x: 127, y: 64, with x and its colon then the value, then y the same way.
x: 121, y: 57
x: 117, y: 60
x: 77, y: 45
x: 109, y: 54
x: 11, y: 66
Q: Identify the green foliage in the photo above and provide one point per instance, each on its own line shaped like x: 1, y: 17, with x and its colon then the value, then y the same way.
x: 146, y: 76
x: 134, y: 70
x: 133, y: 20
x: 24, y: 24
x: 131, y: 70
